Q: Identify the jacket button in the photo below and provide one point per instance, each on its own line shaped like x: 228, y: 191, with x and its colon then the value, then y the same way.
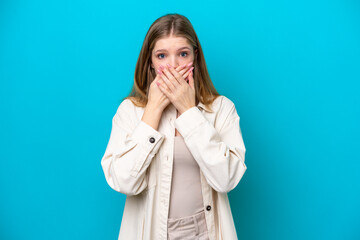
x: 152, y: 140
x: 208, y: 207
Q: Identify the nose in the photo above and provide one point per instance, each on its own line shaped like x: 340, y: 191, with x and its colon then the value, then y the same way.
x: 173, y: 62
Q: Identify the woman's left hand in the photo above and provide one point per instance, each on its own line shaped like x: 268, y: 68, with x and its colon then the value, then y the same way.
x: 180, y: 93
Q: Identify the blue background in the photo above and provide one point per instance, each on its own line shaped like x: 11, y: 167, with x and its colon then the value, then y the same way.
x: 290, y: 67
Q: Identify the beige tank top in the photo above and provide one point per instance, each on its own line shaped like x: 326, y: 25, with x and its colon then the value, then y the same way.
x: 185, y: 195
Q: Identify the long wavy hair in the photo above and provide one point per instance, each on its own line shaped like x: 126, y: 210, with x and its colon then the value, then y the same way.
x: 179, y: 26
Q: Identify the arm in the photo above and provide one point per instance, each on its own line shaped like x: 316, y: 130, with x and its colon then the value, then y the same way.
x: 220, y: 154
x: 131, y: 147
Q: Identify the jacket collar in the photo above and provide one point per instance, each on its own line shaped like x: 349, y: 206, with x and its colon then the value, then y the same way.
x: 200, y: 106
x: 203, y: 106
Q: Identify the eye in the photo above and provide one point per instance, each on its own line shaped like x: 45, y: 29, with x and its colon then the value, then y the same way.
x: 159, y: 55
x: 185, y: 53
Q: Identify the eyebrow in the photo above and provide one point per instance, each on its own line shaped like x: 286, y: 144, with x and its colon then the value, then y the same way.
x: 165, y: 49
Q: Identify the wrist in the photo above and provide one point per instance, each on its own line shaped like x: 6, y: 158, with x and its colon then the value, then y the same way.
x: 153, y: 109
x: 184, y: 110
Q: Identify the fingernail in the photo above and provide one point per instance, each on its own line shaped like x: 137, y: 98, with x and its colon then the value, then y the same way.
x: 191, y: 69
x: 189, y: 64
x: 168, y: 65
x: 161, y: 66
x: 157, y: 83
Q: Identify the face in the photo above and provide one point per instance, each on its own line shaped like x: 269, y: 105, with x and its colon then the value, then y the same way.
x: 172, y: 50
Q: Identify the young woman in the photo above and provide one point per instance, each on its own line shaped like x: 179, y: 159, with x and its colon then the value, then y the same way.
x: 176, y: 147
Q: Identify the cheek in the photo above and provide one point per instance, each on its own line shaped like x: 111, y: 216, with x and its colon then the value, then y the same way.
x: 189, y: 60
x: 155, y: 65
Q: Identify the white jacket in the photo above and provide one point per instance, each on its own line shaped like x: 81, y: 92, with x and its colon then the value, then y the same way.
x: 138, y: 162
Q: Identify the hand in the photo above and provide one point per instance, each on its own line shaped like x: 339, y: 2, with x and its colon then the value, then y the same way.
x: 175, y: 87
x: 157, y: 100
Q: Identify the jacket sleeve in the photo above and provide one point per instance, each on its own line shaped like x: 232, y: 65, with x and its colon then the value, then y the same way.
x: 219, y: 153
x: 131, y: 147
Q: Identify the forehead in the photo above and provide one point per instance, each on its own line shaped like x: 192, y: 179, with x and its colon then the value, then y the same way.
x: 171, y: 42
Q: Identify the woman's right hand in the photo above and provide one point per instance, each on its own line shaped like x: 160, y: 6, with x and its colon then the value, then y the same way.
x: 156, y: 98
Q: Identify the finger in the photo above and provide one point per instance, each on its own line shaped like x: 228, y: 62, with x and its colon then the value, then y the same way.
x: 184, y: 70
x: 170, y: 79
x: 179, y: 68
x: 163, y: 84
x: 167, y: 82
x: 157, y: 77
x: 191, y: 79
x: 164, y: 90
x: 184, y: 66
x: 188, y: 73
x: 178, y: 77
